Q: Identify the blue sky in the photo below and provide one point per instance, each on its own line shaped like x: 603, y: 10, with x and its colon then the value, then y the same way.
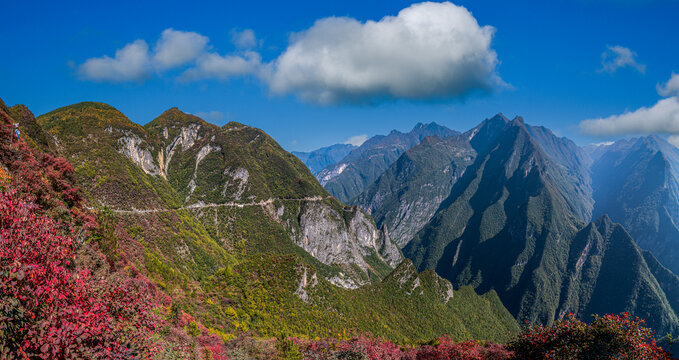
x: 547, y: 66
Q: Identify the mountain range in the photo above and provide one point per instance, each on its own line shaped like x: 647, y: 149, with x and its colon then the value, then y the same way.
x: 398, y: 237
x: 241, y: 236
x: 347, y: 178
x: 317, y: 160
x: 514, y: 208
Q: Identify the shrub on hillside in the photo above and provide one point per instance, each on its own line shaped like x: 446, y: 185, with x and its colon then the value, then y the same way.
x: 606, y: 337
x: 372, y: 348
x: 51, y: 309
x: 46, y: 179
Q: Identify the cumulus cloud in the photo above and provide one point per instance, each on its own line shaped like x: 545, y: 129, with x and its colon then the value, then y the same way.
x: 176, y: 48
x: 131, y: 63
x: 357, y: 140
x: 428, y: 51
x: 671, y: 87
x: 663, y: 117
x: 617, y: 57
x: 135, y: 62
x: 215, y: 66
x: 244, y: 39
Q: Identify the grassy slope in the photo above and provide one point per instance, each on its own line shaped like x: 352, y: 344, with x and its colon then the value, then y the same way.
x: 240, y: 272
x: 87, y: 136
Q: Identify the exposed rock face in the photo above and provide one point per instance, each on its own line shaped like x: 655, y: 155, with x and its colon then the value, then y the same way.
x: 305, y: 284
x: 186, y: 138
x: 408, y: 193
x: 237, y: 185
x: 131, y: 148
x: 326, y: 236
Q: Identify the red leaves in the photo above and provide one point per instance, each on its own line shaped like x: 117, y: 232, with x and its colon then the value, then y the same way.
x: 607, y: 337
x: 368, y: 347
x: 43, y: 179
x: 48, y: 308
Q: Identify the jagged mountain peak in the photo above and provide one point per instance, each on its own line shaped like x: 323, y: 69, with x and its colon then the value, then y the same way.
x: 362, y: 166
x: 518, y: 121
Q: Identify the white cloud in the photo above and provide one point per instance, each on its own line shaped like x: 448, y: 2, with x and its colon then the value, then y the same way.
x: 663, y: 117
x: 244, y: 39
x: 131, y: 63
x: 212, y: 116
x: 428, y: 51
x: 135, y: 62
x: 176, y: 48
x: 215, y: 66
x: 674, y: 140
x: 357, y: 140
x: 617, y: 57
x: 671, y: 87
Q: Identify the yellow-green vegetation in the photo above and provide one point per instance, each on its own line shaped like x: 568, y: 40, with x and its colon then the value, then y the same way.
x: 89, y: 136
x: 235, y: 267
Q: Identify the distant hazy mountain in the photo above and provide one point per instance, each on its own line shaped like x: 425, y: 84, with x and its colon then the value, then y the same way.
x: 407, y: 194
x: 318, y: 159
x: 513, y: 222
x: 636, y: 183
x: 353, y: 174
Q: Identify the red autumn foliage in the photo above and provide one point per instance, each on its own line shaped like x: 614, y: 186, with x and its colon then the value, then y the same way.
x: 368, y: 347
x: 49, y: 308
x: 46, y: 178
x: 607, y: 337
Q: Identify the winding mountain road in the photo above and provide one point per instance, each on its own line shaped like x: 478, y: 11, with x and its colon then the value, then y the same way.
x: 212, y: 205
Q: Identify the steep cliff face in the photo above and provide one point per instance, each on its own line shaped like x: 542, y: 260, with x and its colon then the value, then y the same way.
x: 178, y: 162
x: 405, y: 197
x: 326, y: 235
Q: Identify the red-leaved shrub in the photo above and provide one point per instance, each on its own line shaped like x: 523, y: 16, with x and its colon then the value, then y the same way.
x: 49, y: 308
x: 607, y: 337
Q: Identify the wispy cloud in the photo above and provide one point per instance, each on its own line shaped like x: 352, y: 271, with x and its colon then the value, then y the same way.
x: 177, y: 48
x: 131, y: 63
x: 212, y: 116
x: 245, y: 39
x: 215, y: 66
x: 618, y: 57
x: 671, y: 87
x: 357, y: 140
x: 663, y: 117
